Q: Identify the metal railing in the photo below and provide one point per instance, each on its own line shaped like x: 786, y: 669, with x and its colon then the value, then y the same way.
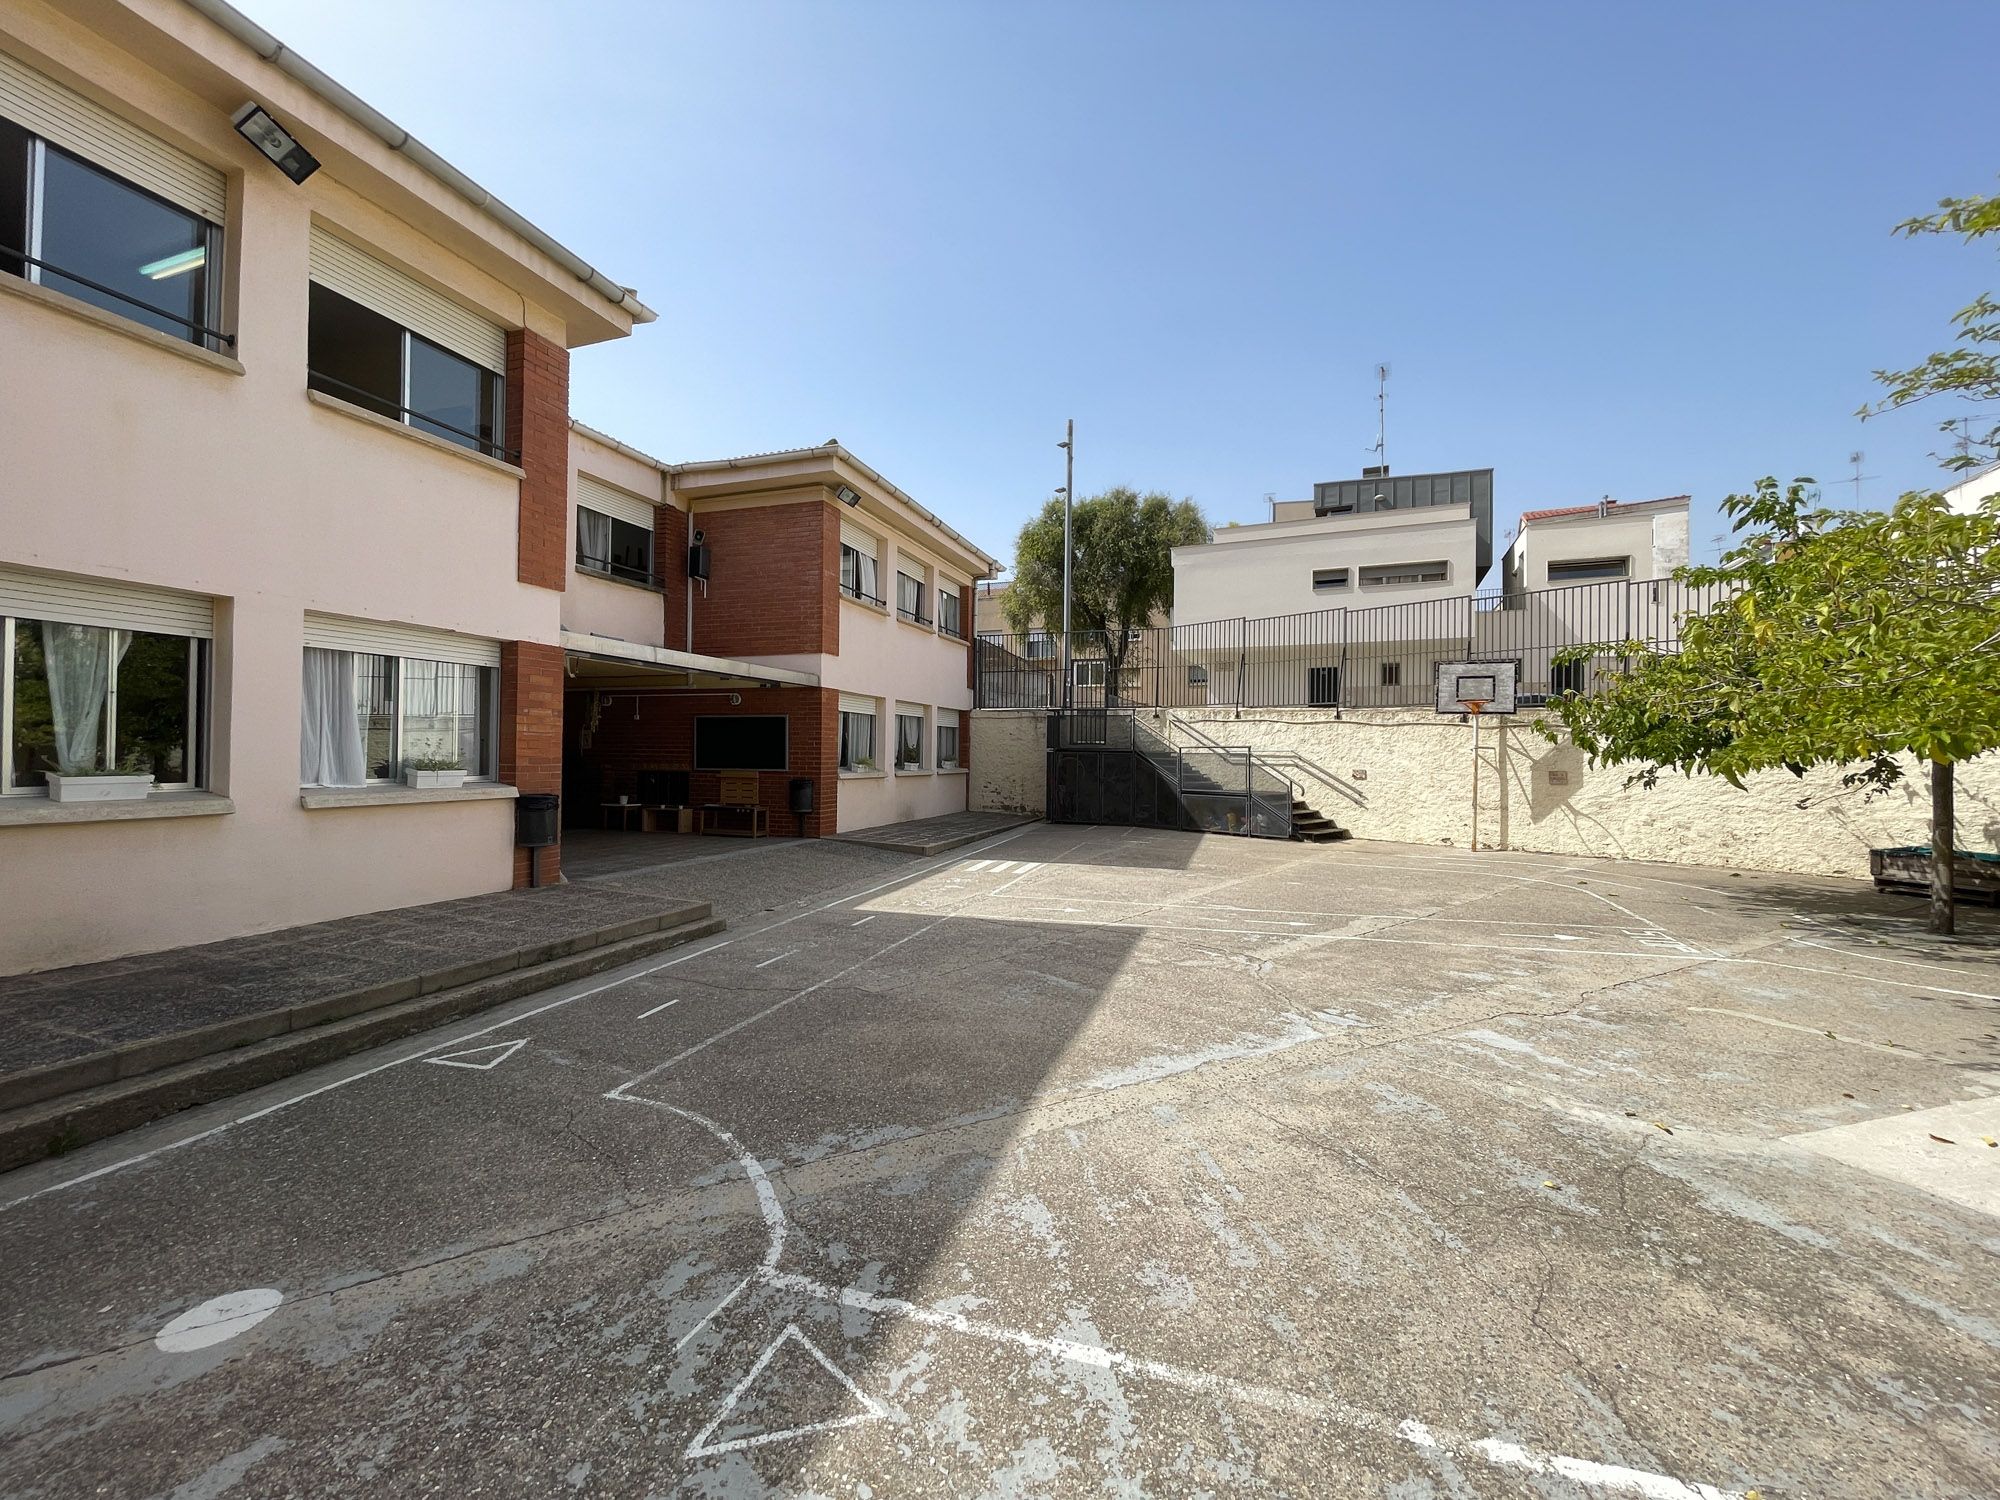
x: 382, y: 406
x: 200, y: 329
x: 1383, y: 656
x: 856, y: 591
x: 1209, y: 788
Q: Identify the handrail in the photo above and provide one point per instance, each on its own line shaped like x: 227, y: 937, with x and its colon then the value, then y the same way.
x: 8, y: 252
x: 485, y: 445
x: 1274, y: 759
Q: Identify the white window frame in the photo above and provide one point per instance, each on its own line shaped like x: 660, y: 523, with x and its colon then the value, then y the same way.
x: 489, y: 730
x: 1602, y: 573
x: 1389, y: 575
x: 1089, y: 673
x: 846, y: 766
x: 1330, y: 580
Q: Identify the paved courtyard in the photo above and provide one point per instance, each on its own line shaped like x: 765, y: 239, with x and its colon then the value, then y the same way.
x: 1076, y: 1162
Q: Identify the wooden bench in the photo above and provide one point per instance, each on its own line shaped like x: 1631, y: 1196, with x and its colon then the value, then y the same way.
x: 735, y: 812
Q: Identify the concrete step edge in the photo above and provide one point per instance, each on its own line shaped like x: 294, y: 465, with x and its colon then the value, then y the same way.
x: 51, y: 1127
x: 136, y: 1059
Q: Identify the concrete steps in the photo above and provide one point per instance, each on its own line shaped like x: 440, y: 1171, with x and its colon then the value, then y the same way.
x: 106, y: 1093
x: 1310, y: 826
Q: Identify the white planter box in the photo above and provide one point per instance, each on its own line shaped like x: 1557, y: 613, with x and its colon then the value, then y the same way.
x: 431, y: 779
x: 98, y: 788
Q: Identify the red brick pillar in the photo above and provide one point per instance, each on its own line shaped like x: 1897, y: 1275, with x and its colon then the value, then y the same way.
x: 531, y: 733
x: 971, y: 638
x: 538, y: 433
x: 670, y: 544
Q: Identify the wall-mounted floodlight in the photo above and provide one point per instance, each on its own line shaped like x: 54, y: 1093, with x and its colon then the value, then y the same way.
x: 278, y: 144
x: 846, y: 496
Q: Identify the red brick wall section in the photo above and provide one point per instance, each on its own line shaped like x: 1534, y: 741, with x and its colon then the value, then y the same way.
x: 661, y: 738
x: 965, y: 624
x: 531, y: 733
x: 964, y: 747
x: 773, y: 581
x: 670, y: 544
x: 538, y: 431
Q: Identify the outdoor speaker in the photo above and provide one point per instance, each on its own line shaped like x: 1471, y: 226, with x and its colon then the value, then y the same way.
x: 698, y: 561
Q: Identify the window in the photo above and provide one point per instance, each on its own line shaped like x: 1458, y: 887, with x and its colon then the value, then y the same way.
x: 363, y: 357
x: 609, y: 544
x: 78, y: 229
x: 910, y: 599
x: 1041, y: 646
x: 88, y: 698
x: 1197, y: 676
x: 947, y: 747
x: 1392, y: 674
x: 1323, y: 687
x: 949, y: 620
x: 1133, y: 635
x: 1088, y: 673
x: 1579, y: 570
x: 857, y: 741
x: 857, y: 574
x: 1380, y: 574
x: 909, y: 740
x: 364, y: 715
x: 1326, y: 580
x: 1567, y: 677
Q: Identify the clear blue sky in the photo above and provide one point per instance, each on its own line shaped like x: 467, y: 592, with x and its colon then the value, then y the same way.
x: 1607, y: 248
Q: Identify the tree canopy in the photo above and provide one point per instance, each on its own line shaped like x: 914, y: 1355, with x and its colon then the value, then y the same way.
x: 1971, y: 370
x: 1122, y: 571
x: 1844, y: 638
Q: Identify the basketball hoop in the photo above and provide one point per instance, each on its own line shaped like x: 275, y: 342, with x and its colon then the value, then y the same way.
x: 1474, y: 706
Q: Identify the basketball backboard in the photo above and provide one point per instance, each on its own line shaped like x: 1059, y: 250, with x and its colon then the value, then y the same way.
x: 1463, y: 684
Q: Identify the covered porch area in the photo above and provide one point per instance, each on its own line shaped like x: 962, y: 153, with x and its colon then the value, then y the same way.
x: 673, y: 747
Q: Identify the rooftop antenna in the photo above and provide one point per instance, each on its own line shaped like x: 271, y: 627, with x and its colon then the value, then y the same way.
x: 1381, y: 448
x: 1855, y: 458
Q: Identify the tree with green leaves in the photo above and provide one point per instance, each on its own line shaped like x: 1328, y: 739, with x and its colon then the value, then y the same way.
x: 1970, y: 371
x: 1840, y: 638
x: 1121, y: 570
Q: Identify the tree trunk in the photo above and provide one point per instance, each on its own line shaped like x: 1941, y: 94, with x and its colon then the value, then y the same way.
x: 1943, y: 832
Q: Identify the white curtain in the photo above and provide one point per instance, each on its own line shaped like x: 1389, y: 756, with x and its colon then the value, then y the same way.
x: 77, y: 659
x: 593, y: 537
x: 330, y: 722
x: 864, y: 570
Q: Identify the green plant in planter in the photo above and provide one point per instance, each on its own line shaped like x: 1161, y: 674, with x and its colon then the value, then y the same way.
x: 433, y: 763
x: 134, y: 764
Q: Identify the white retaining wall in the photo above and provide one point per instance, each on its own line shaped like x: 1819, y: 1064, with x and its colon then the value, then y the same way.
x: 1412, y: 772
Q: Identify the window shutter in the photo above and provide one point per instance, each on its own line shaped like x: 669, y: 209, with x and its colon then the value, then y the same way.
x: 358, y: 276
x: 339, y: 633
x: 947, y: 718
x: 913, y: 710
x: 607, y: 501
x: 861, y: 541
x: 104, y: 602
x: 854, y: 703
x: 62, y: 115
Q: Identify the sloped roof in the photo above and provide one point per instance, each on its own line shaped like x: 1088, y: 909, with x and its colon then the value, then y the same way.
x: 1606, y: 505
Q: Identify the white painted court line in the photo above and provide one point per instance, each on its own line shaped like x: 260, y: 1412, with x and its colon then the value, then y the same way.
x: 778, y: 960
x: 927, y: 867
x: 664, y: 1005
x: 977, y: 864
x: 1818, y: 1031
x: 495, y: 1054
x: 872, y: 1410
x: 864, y: 921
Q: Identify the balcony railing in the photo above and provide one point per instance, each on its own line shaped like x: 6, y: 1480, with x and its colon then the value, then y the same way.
x: 368, y: 400
x: 855, y: 591
x: 622, y: 572
x: 200, y: 330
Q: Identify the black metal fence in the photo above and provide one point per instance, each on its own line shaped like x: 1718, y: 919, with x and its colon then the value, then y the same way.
x: 1384, y: 657
x: 1110, y: 767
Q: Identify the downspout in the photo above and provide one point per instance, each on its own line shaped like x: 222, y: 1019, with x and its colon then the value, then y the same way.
x: 399, y: 140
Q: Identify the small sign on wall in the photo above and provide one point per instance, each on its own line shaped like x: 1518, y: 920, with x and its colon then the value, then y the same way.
x: 1359, y: 774
x: 1558, y: 778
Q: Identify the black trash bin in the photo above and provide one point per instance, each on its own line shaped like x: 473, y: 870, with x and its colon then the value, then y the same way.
x: 802, y: 801
x: 537, y: 817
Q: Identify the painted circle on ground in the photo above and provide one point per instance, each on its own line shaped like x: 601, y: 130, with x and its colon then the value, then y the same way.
x: 219, y: 1319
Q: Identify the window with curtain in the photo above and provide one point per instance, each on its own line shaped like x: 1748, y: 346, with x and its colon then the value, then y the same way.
x: 93, y: 235
x: 857, y: 742
x: 364, y: 715
x: 909, y: 742
x: 910, y: 598
x: 947, y: 747
x: 858, y: 575
x: 949, y: 619
x: 606, y: 544
x: 88, y: 698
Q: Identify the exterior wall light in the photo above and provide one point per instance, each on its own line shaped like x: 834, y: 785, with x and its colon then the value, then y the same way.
x: 846, y: 496
x: 277, y: 144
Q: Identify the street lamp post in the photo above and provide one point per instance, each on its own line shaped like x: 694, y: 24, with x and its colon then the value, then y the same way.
x: 1068, y: 445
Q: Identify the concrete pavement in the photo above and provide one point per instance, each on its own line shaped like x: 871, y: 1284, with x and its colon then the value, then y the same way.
x: 1077, y: 1162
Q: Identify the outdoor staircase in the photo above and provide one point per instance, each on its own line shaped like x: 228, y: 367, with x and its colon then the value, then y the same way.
x: 1311, y: 826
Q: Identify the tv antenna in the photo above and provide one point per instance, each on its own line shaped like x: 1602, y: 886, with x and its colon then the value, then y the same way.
x: 1855, y: 458
x: 1381, y: 448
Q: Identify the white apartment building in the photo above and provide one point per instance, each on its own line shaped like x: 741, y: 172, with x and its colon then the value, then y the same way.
x: 281, y: 497
x: 1970, y: 492
x: 1613, y: 540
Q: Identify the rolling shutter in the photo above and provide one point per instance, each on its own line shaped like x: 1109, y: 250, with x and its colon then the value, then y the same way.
x: 910, y: 710
x: 607, y: 501
x: 359, y: 277
x: 102, y: 601
x: 861, y: 541
x: 854, y: 703
x: 61, y: 115
x: 339, y: 633
x: 947, y: 718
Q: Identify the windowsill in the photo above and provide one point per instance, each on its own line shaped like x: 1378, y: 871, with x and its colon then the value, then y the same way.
x: 630, y: 583
x: 864, y: 775
x: 110, y: 322
x: 414, y: 434
x: 954, y: 770
x: 19, y: 812
x: 923, y: 625
x: 318, y: 798
x: 913, y: 771
x: 872, y: 608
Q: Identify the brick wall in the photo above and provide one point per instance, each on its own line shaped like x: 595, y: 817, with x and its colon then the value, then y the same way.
x: 965, y: 624
x: 538, y: 430
x: 670, y: 544
x: 531, y: 732
x: 661, y: 738
x: 773, y: 581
